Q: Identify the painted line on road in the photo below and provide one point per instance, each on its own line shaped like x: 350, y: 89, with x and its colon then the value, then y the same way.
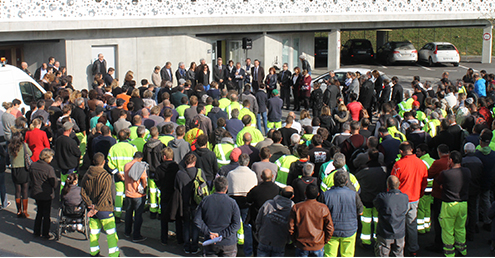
x: 412, y: 69
x: 398, y: 68
x: 384, y: 67
x: 426, y: 68
x: 465, y: 67
x: 450, y: 71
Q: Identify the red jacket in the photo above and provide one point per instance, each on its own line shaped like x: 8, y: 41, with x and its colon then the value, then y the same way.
x: 412, y: 174
x: 436, y: 168
x: 37, y: 140
x: 305, y: 93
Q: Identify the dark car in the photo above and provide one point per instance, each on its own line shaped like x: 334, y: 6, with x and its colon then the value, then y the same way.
x: 357, y: 50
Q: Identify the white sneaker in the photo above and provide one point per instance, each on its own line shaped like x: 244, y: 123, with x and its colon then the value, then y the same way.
x: 80, y: 227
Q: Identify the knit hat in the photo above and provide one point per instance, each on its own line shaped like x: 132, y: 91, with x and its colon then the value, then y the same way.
x: 234, y: 155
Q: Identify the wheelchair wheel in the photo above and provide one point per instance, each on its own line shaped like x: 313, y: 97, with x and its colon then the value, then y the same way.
x: 86, y: 224
x: 60, y: 225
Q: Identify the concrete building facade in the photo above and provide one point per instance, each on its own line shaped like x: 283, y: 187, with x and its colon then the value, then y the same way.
x: 138, y: 35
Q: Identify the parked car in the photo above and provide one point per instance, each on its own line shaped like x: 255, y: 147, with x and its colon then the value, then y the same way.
x: 439, y: 52
x: 397, y: 51
x: 357, y: 50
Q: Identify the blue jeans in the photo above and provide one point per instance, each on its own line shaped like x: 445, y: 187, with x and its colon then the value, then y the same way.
x: 270, y: 251
x: 191, y: 232
x: 302, y: 253
x: 248, y: 234
x: 265, y: 122
x: 3, y: 190
x: 136, y: 206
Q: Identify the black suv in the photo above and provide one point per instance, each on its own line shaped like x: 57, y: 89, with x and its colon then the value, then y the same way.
x: 357, y: 50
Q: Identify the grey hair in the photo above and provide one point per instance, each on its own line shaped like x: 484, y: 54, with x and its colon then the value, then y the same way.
x: 346, y: 126
x: 469, y: 148
x: 295, y: 138
x: 234, y: 112
x: 79, y: 101
x: 141, y: 130
x: 169, y: 84
x: 244, y: 159
x: 303, y: 57
x: 181, y: 64
x: 201, y: 60
x: 308, y: 169
x: 338, y: 160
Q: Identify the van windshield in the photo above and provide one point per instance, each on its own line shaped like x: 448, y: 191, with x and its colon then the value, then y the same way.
x: 30, y: 93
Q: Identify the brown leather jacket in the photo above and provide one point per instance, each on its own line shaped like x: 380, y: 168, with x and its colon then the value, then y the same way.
x: 306, y: 227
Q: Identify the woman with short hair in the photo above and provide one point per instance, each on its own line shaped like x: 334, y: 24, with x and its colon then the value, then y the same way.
x: 43, y: 191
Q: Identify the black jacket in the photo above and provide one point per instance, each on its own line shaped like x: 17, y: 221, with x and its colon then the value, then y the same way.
x: 373, y: 180
x: 165, y: 175
x: 218, y: 74
x: 67, y: 153
x: 79, y: 116
x: 392, y: 207
x: 152, y: 151
x: 284, y: 78
x: 214, y: 114
x: 259, y: 195
x: 295, y: 170
x: 397, y: 94
x: 206, y: 160
x: 300, y: 185
x: 476, y: 166
x: 330, y: 96
x: 366, y: 94
x: 43, y: 181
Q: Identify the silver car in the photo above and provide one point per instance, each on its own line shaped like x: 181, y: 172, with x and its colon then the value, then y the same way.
x: 395, y: 51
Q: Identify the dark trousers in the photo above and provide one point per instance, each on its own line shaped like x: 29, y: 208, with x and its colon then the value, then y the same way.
x: 473, y: 214
x: 42, y: 221
x: 295, y: 92
x: 436, y: 208
x: 316, y: 112
x: 255, y: 86
x: 220, y: 251
x: 136, y: 206
x: 285, y: 95
x: 305, y: 101
x: 165, y: 219
x: 191, y: 232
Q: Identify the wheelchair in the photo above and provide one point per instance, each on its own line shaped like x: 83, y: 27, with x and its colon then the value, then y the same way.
x: 69, y: 217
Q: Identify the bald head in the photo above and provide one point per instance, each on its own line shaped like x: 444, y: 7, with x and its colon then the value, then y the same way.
x: 393, y: 183
x: 267, y: 175
x: 287, y: 192
x: 247, y: 138
x: 292, y: 114
x: 166, y: 103
x: 145, y: 112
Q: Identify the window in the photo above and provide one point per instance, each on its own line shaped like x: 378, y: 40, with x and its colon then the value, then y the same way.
x: 30, y: 93
x: 445, y: 47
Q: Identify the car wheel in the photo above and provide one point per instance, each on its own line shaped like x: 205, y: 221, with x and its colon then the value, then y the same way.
x: 430, y: 62
x: 456, y: 64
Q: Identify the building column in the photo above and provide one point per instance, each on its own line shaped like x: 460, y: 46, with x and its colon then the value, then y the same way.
x: 334, y: 45
x: 381, y: 38
x: 486, y: 56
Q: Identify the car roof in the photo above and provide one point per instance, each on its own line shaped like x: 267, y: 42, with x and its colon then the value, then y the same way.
x: 441, y: 43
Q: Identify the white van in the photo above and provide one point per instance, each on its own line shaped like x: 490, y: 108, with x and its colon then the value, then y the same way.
x: 16, y: 84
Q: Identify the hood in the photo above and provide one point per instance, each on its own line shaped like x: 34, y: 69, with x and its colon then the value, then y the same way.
x: 94, y: 172
x: 202, y: 151
x: 152, y: 143
x: 485, y: 150
x: 227, y: 140
x: 282, y: 202
x: 176, y: 143
x: 342, y: 117
x: 215, y: 110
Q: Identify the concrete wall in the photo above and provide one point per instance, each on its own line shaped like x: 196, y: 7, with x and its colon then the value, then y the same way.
x: 139, y: 55
x: 37, y: 53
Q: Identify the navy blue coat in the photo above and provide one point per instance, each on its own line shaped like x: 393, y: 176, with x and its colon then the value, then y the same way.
x: 344, y: 205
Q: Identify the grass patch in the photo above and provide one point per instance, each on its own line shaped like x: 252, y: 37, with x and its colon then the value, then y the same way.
x: 468, y: 41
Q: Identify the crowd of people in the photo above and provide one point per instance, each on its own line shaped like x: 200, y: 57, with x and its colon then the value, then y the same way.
x: 375, y: 165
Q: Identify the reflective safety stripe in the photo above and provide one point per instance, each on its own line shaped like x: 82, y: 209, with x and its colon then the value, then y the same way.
x: 427, y: 219
x: 375, y: 219
x: 223, y: 162
x: 110, y: 231
x: 420, y: 221
x: 366, y: 219
x: 421, y: 227
x: 119, y: 193
x: 284, y: 169
x: 280, y: 184
x: 154, y: 205
x: 118, y: 209
x: 94, y: 249
x: 325, y: 186
x: 222, y: 153
x: 62, y: 183
x: 113, y: 250
x: 152, y: 190
x: 365, y: 237
x: 429, y: 179
x: 428, y: 190
x: 240, y: 236
x: 121, y: 158
x: 182, y: 117
x: 427, y: 166
x: 95, y: 232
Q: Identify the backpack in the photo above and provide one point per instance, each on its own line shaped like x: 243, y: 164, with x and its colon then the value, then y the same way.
x: 193, y: 143
x: 479, y: 119
x: 200, y: 188
x: 356, y: 152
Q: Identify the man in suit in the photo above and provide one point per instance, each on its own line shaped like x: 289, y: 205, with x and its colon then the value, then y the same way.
x: 398, y: 91
x: 166, y: 72
x: 218, y: 72
x: 285, y: 82
x: 239, y: 76
x: 181, y: 72
x: 258, y: 75
x: 247, y: 69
